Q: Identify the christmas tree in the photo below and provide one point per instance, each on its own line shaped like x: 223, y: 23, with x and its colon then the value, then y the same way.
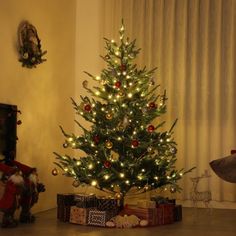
x: 125, y: 149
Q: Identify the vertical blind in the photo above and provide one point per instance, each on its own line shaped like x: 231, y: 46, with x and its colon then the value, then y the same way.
x: 193, y: 44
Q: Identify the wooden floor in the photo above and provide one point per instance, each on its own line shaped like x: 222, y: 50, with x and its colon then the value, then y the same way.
x: 198, y: 222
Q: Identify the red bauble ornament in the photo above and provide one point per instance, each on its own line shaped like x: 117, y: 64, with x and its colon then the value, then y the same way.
x: 134, y: 143
x: 152, y: 105
x: 122, y: 67
x: 87, y: 108
x: 54, y: 172
x: 96, y: 139
x: 150, y: 128
x: 117, y: 84
x: 107, y: 164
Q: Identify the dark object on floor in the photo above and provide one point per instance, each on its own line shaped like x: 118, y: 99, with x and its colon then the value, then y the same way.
x: 225, y: 168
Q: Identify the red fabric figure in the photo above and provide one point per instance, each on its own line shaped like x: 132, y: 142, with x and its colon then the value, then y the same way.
x: 31, y: 190
x: 21, y: 190
x: 13, y: 187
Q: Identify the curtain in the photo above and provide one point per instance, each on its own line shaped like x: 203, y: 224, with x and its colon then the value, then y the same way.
x: 193, y: 44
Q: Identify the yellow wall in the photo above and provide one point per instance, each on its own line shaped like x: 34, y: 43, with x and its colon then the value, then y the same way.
x: 42, y: 94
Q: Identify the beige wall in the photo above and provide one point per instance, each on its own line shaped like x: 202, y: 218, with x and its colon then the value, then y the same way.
x: 89, y: 45
x: 42, y: 94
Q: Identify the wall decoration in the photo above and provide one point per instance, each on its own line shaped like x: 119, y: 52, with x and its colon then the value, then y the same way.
x: 29, y: 45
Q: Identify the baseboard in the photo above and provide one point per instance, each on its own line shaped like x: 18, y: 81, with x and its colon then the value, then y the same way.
x: 213, y: 204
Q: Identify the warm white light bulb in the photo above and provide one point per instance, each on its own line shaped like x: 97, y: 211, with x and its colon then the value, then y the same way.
x: 106, y: 176
x: 140, y: 177
x: 70, y: 139
x: 94, y: 183
x: 122, y: 175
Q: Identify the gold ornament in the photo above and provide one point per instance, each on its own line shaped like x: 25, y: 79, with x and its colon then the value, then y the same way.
x: 114, y: 156
x: 76, y: 183
x: 103, y: 82
x: 109, y: 144
x: 82, y: 105
x: 109, y: 116
x: 54, y: 172
x: 121, y: 94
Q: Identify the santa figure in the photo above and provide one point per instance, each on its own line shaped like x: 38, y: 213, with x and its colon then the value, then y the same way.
x: 30, y: 191
x: 21, y: 190
x: 14, y: 182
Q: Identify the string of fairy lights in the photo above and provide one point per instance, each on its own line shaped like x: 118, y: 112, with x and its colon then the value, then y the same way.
x: 124, y: 149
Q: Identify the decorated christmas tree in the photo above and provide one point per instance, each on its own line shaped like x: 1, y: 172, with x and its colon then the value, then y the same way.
x: 126, y: 149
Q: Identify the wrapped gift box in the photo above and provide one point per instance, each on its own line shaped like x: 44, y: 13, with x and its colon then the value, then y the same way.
x: 106, y: 204
x: 63, y: 213
x: 65, y: 199
x: 99, y: 218
x: 79, y: 215
x: 146, y: 204
x: 150, y: 214
x: 177, y: 213
x: 85, y: 200
x: 64, y: 202
x: 166, y: 212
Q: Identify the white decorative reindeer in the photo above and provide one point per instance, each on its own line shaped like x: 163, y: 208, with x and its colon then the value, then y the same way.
x: 196, y: 196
